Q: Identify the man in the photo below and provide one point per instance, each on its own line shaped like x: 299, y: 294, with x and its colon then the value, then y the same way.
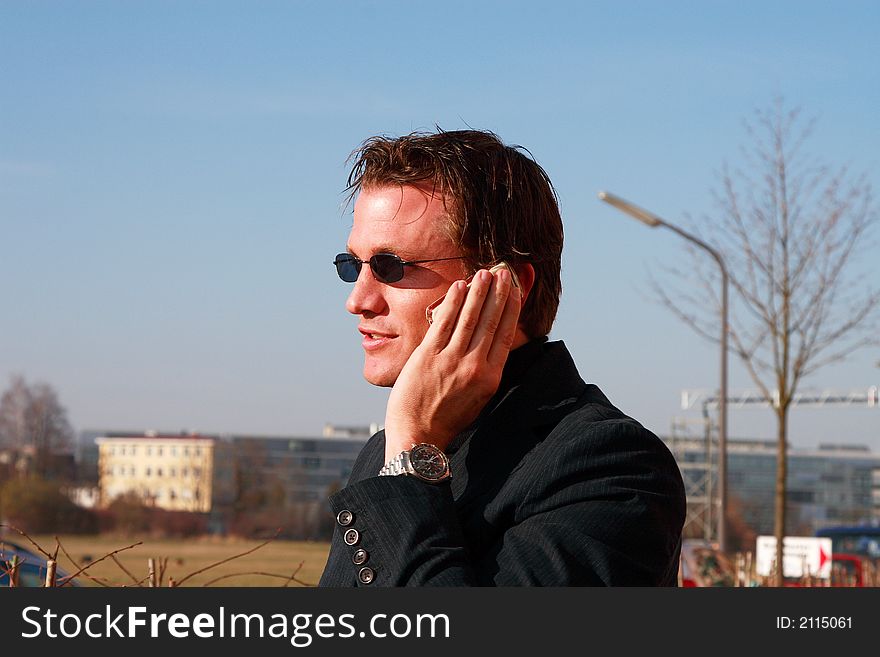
x: 497, y: 464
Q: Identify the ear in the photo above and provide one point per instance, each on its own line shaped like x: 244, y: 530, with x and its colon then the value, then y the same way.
x: 526, y: 274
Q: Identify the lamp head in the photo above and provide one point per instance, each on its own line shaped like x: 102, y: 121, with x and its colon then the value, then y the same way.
x: 633, y: 211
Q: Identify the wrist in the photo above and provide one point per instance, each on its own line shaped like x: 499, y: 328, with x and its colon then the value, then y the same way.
x: 399, y: 439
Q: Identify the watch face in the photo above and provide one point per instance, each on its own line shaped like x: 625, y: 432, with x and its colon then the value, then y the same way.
x: 429, y: 462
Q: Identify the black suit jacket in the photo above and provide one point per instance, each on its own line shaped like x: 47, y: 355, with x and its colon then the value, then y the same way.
x: 552, y: 485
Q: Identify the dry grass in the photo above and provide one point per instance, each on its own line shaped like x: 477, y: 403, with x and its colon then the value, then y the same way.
x: 185, y: 556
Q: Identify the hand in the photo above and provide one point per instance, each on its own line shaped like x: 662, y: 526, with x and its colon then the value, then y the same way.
x: 457, y: 368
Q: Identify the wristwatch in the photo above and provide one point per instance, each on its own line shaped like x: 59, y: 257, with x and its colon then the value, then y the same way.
x: 424, y: 461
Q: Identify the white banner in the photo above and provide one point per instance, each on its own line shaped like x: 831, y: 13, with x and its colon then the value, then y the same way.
x: 801, y: 555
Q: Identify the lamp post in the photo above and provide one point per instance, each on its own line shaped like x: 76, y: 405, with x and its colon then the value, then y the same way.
x: 654, y: 221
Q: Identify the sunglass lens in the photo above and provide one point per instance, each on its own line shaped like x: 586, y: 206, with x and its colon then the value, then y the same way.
x: 388, y: 268
x: 348, y: 267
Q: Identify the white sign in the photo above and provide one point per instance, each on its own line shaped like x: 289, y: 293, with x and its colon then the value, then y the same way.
x: 801, y: 555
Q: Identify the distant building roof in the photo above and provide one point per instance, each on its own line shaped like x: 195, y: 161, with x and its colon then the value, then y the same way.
x: 155, y: 435
x: 823, y: 447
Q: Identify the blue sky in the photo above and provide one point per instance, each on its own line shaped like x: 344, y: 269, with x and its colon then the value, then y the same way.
x: 171, y: 179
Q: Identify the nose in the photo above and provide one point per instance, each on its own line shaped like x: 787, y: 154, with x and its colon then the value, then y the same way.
x: 368, y: 295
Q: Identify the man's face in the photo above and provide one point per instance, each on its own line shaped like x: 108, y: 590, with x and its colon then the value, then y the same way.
x: 408, y: 222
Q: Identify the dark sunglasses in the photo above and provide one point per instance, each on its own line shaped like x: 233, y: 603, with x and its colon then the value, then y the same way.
x: 386, y: 267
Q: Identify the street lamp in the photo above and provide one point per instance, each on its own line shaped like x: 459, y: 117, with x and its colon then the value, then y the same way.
x: 654, y: 221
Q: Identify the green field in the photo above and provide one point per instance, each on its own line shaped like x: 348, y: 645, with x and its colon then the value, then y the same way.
x: 185, y: 556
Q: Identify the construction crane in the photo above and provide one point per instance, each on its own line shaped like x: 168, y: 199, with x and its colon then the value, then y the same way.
x: 703, y: 516
x: 690, y: 398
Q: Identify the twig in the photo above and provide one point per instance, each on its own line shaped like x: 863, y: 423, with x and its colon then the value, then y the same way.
x: 293, y: 575
x: 139, y: 582
x: 151, y: 567
x: 163, y: 564
x: 66, y: 580
x: 75, y: 564
x: 217, y: 563
x: 34, y: 543
x: 126, y: 571
x: 256, y: 572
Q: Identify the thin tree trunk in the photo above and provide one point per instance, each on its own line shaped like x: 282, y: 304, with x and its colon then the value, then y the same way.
x: 781, y: 475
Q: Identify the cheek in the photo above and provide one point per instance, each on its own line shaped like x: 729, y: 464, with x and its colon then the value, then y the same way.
x: 412, y: 315
x: 414, y: 335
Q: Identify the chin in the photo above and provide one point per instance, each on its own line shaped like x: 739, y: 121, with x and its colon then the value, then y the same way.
x: 380, y: 377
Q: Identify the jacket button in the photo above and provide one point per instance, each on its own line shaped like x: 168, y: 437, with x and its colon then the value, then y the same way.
x: 351, y: 537
x: 366, y: 575
x: 345, y: 518
x: 360, y: 556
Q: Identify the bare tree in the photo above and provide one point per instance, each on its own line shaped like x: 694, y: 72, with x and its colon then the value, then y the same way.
x: 790, y: 230
x: 33, y: 421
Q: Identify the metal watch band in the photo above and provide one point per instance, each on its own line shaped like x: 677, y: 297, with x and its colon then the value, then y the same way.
x: 413, y: 462
x: 396, y: 466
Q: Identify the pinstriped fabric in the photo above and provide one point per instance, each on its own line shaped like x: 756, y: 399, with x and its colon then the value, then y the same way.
x: 553, y: 486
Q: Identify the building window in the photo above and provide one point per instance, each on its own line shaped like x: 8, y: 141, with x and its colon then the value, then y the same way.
x: 198, y: 451
x: 185, y: 472
x: 186, y: 451
x: 172, y: 472
x: 149, y: 451
x: 158, y: 451
x: 174, y: 450
x: 131, y: 471
x: 158, y: 472
x: 148, y: 472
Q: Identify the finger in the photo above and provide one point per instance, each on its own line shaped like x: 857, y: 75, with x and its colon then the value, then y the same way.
x: 490, y: 316
x: 445, y: 316
x: 506, y: 333
x: 469, y: 317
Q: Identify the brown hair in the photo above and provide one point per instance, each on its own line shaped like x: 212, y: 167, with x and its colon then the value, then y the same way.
x: 501, y: 203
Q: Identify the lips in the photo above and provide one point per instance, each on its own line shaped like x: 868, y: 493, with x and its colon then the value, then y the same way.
x: 375, y: 334
x: 375, y: 339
